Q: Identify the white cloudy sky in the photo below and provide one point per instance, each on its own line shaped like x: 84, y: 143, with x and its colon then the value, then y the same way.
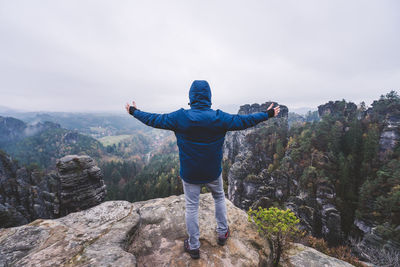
x: 97, y: 55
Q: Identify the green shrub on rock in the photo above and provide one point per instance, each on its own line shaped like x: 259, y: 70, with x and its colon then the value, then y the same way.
x: 278, y: 226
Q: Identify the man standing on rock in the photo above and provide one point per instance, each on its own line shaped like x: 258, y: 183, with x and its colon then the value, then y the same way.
x: 200, y: 134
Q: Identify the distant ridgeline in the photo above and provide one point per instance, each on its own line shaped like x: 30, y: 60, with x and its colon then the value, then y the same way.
x: 42, y: 143
x: 93, y: 124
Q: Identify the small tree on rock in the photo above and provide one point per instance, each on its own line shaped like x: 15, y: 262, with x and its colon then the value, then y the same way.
x: 278, y: 226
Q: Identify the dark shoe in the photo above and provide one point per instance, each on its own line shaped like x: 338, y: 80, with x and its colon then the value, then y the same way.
x: 222, y: 238
x: 194, y: 253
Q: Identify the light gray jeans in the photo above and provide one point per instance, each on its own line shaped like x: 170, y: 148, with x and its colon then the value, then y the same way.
x: 192, y: 196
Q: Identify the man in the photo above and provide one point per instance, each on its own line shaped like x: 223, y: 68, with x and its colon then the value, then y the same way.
x: 200, y: 133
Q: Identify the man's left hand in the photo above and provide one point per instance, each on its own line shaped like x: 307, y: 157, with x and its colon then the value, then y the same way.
x: 277, y: 109
x: 127, y: 106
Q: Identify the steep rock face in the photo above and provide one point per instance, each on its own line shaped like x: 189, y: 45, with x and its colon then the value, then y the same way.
x: 243, y: 191
x: 319, y: 216
x: 81, y: 183
x: 26, y: 195
x: 390, y: 135
x: 148, y: 233
x: 250, y: 184
x: 373, y: 239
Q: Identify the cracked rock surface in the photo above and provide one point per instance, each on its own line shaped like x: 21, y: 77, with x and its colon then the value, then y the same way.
x: 120, y: 233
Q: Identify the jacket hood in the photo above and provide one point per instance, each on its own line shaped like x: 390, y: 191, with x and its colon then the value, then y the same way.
x: 200, y: 95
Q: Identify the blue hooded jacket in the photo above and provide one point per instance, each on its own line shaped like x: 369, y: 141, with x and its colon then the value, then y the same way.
x: 200, y: 132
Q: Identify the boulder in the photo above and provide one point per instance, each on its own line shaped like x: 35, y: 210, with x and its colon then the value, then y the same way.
x: 302, y: 256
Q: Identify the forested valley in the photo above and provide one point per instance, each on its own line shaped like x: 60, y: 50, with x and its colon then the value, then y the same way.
x: 343, y: 157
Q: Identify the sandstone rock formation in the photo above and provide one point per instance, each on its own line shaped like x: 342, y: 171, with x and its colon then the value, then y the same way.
x: 81, y: 183
x: 390, y: 135
x: 148, y: 233
x: 247, y: 109
x: 372, y: 241
x: 338, y: 108
x: 239, y: 152
x: 250, y: 184
x: 26, y: 195
x: 319, y: 216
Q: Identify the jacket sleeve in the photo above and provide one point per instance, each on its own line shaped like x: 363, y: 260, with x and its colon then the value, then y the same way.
x: 240, y: 122
x: 166, y: 121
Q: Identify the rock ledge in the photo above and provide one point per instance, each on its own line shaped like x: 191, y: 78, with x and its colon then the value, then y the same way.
x: 120, y: 233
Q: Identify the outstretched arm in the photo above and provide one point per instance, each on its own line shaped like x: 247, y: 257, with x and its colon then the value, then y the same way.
x: 162, y: 121
x: 241, y: 122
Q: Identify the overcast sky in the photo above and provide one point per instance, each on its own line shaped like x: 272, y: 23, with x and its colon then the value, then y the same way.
x: 97, y: 55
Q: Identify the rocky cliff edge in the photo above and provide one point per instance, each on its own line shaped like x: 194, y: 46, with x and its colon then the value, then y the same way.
x: 147, y: 233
